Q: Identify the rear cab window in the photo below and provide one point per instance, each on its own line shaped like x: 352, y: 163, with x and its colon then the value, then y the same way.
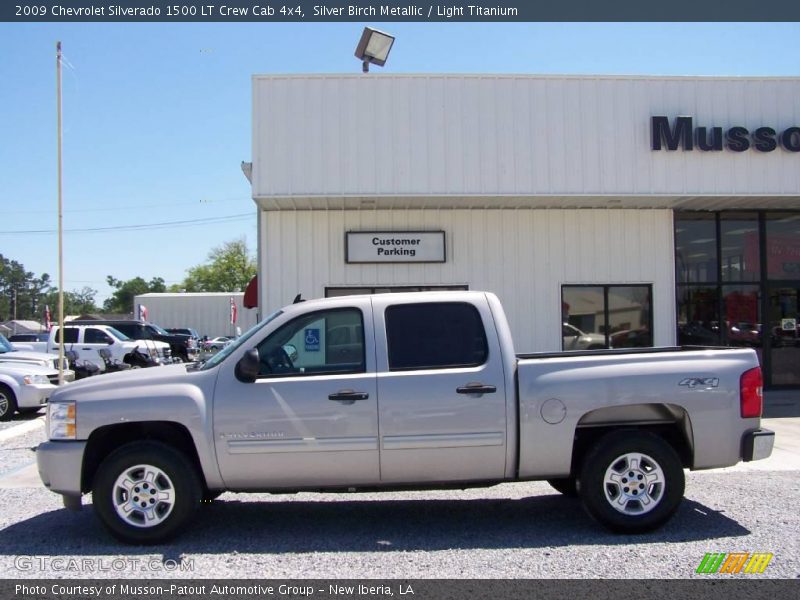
x: 435, y: 335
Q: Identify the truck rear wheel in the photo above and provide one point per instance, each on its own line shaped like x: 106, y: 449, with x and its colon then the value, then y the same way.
x: 632, y: 481
x: 8, y: 402
x: 146, y: 492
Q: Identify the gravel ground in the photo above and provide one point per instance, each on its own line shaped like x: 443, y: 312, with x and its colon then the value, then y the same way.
x: 506, y: 531
x: 17, y: 418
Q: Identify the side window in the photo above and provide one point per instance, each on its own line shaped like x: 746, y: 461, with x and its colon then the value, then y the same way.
x: 606, y: 316
x: 435, y: 336
x: 96, y: 336
x: 329, y: 341
x: 70, y: 335
x: 131, y: 330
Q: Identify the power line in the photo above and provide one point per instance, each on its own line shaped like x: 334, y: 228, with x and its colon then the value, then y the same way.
x: 185, y: 223
x: 127, y: 207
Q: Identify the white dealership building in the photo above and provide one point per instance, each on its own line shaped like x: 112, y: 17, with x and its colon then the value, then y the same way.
x: 603, y: 211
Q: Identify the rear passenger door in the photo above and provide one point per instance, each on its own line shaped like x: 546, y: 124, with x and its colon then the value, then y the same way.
x: 441, y: 390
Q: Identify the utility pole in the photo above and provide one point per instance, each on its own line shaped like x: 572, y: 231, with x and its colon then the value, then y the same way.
x: 60, y: 225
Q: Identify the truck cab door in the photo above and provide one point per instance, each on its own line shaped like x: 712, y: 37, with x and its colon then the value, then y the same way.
x: 441, y: 384
x: 310, y: 419
x: 93, y: 340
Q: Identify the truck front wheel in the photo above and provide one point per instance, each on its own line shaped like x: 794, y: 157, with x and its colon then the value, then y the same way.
x: 632, y: 481
x: 146, y: 492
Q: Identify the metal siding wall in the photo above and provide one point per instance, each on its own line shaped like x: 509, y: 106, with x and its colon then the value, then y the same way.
x: 513, y: 135
x: 522, y: 255
x: 209, y: 314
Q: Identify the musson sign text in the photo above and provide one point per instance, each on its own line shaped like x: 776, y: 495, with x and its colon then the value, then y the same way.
x: 738, y: 139
x: 395, y: 246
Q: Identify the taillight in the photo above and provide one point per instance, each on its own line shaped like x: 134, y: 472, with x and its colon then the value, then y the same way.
x: 751, y: 393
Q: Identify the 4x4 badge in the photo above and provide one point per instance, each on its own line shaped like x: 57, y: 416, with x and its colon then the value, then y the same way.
x: 706, y: 382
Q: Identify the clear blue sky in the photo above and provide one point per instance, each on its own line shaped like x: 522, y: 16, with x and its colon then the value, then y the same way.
x: 157, y: 117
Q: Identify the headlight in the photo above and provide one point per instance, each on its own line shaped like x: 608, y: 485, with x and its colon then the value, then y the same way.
x: 61, y: 420
x: 33, y: 379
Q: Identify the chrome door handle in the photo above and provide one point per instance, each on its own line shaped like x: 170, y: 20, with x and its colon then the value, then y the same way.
x: 348, y: 396
x: 476, y: 388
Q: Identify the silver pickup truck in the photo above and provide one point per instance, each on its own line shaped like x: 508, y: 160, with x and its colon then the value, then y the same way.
x: 399, y: 391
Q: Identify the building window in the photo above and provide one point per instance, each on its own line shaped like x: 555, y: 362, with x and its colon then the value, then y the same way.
x: 738, y: 276
x: 606, y: 316
x: 783, y: 246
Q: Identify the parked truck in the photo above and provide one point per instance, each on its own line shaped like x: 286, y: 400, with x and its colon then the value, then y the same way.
x: 428, y: 393
x: 179, y: 347
x: 88, y: 340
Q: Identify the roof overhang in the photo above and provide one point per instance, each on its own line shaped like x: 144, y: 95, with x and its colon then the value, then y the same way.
x: 711, y: 203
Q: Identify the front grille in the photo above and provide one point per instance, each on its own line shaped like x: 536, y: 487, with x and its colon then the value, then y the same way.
x: 53, y: 379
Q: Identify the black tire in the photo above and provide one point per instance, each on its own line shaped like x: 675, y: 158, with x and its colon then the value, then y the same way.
x: 175, y: 475
x: 657, y: 478
x: 8, y: 402
x: 567, y: 486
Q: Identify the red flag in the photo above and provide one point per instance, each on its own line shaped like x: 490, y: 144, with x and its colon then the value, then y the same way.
x: 47, y: 323
x: 233, y: 312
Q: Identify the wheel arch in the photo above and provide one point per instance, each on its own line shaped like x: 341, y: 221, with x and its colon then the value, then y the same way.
x: 104, y: 440
x: 668, y: 421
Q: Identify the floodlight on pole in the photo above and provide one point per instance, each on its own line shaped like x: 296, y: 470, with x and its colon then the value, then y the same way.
x: 373, y: 47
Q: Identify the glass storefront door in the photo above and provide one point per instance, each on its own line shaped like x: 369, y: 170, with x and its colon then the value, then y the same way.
x: 783, y: 319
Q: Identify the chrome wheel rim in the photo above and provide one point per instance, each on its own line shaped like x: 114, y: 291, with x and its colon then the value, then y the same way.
x: 634, y: 484
x: 143, y: 496
x: 4, y: 404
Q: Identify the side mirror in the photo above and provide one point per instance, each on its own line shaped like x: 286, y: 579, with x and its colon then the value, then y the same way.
x: 247, y: 368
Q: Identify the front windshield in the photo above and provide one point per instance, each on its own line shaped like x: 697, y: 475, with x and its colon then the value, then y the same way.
x: 227, y: 350
x: 5, y: 345
x: 118, y: 334
x: 160, y: 330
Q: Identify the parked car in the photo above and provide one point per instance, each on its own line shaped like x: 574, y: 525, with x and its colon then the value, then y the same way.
x: 435, y: 396
x: 182, y: 347
x: 24, y: 388
x: 575, y: 339
x: 217, y: 343
x: 33, y: 353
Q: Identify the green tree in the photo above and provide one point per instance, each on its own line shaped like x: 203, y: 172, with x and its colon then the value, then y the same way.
x: 21, y: 292
x: 229, y: 269
x: 121, y: 301
x: 78, y: 302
